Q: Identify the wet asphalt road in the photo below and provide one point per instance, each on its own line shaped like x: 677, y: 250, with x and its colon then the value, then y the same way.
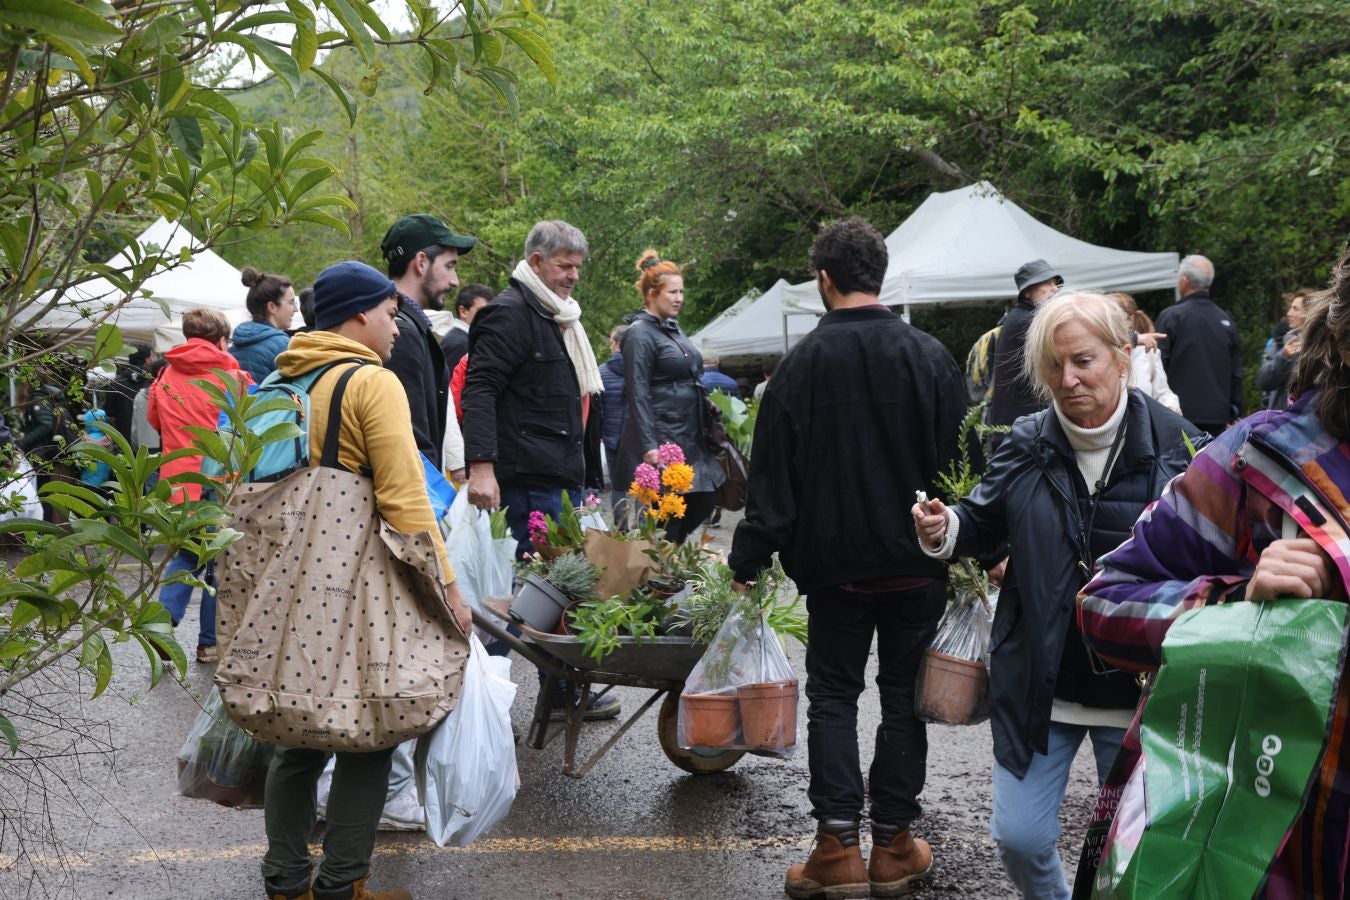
x: 634, y: 827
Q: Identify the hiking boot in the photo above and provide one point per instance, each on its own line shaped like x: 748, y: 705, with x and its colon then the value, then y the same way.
x: 357, y: 891
x: 898, y: 860
x: 297, y: 889
x: 206, y: 655
x: 835, y: 869
x: 606, y: 707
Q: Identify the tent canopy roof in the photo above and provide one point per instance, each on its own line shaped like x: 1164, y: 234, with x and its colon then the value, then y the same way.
x: 753, y: 327
x: 203, y: 280
x: 963, y: 246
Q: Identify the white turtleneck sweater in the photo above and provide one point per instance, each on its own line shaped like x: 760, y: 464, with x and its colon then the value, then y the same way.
x: 1092, y: 446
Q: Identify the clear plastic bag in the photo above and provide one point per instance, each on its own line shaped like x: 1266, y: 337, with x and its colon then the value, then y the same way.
x: 952, y: 687
x: 220, y: 762
x: 742, y: 695
x: 466, y: 768
x: 483, y: 565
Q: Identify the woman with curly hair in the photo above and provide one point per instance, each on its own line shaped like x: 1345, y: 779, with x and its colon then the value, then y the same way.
x: 666, y: 402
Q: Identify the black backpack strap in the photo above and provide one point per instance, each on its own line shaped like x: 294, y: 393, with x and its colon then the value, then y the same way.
x: 329, y: 457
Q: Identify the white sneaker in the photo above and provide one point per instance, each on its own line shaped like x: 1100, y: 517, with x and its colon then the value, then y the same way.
x: 403, y: 812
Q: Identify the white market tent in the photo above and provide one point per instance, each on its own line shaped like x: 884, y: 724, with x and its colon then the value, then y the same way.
x: 753, y: 327
x: 962, y: 247
x: 204, y: 280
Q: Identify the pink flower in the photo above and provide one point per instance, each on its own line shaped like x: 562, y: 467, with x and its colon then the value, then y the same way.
x: 647, y: 477
x: 592, y: 501
x: 667, y: 454
x: 538, y: 526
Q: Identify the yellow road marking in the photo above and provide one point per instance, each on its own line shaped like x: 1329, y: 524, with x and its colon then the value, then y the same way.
x: 693, y: 844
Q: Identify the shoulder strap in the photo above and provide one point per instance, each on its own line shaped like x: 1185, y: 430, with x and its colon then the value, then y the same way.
x: 329, y: 457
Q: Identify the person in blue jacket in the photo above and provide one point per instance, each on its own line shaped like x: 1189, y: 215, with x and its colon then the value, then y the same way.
x: 714, y: 379
x: 271, y: 303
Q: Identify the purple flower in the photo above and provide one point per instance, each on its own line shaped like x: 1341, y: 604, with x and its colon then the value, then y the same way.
x: 668, y: 454
x: 538, y: 527
x: 647, y: 477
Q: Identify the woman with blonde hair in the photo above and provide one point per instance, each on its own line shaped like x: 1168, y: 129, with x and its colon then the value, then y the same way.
x: 1146, y: 368
x: 666, y: 401
x: 1064, y: 487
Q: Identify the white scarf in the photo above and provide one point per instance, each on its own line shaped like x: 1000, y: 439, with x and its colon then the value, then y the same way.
x: 567, y: 313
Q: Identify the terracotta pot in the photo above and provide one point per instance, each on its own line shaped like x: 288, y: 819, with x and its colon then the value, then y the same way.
x: 538, y: 604
x: 565, y: 622
x: 769, y: 714
x: 951, y: 690
x: 710, y: 720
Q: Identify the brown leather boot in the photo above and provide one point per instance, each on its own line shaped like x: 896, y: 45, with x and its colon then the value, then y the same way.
x: 898, y: 860
x: 835, y: 869
x: 357, y: 891
x: 296, y: 889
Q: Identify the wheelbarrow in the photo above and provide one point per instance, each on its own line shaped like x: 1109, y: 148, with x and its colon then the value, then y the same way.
x: 659, y: 664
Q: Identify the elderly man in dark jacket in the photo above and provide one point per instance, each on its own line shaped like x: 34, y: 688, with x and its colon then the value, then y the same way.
x: 1013, y: 395
x: 1202, y: 353
x: 862, y: 413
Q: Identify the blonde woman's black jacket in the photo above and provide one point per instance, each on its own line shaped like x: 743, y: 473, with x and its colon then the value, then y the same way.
x: 863, y: 412
x: 522, y: 401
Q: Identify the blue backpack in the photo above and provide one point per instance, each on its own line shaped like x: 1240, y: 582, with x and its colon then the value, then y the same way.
x: 281, y: 458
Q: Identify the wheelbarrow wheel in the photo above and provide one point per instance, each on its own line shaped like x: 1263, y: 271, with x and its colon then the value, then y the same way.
x: 697, y: 762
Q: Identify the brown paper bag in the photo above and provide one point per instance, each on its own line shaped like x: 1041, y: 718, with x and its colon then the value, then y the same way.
x: 623, y: 565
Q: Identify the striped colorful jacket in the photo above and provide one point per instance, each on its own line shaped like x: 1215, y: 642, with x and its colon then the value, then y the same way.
x: 1199, y: 545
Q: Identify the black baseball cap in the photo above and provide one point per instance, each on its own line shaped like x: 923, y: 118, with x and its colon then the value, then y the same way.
x: 417, y: 232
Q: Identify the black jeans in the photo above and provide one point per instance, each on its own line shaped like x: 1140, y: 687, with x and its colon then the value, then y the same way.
x: 841, y: 625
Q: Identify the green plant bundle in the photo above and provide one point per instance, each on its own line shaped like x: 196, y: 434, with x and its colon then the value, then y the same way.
x: 714, y: 596
x: 738, y: 418
x: 497, y: 522
x: 958, y: 482
x: 601, y: 623
x: 573, y: 575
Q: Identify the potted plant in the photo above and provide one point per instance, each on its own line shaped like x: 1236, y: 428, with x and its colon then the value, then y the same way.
x: 553, y: 539
x: 952, y: 685
x: 549, y: 585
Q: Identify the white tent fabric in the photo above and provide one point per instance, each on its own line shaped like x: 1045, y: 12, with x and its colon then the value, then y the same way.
x: 962, y: 247
x: 204, y: 280
x: 753, y: 326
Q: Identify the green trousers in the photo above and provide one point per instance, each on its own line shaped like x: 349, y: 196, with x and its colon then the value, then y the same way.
x: 355, y: 802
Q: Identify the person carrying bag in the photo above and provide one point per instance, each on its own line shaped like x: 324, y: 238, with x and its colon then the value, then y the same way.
x: 343, y: 629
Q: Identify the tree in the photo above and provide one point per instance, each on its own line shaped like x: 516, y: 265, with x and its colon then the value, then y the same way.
x: 111, y: 114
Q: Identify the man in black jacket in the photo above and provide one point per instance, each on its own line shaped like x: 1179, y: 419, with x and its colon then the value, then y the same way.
x: 862, y: 413
x: 422, y: 254
x: 531, y: 392
x: 1013, y: 395
x: 1202, y: 355
x: 470, y: 299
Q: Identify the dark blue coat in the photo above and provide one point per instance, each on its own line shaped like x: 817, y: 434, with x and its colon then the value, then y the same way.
x: 717, y: 380
x: 612, y: 401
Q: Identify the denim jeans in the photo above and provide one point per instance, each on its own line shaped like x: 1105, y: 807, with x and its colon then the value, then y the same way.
x: 841, y: 628
x: 1025, y: 823
x: 175, y: 597
x: 355, y: 802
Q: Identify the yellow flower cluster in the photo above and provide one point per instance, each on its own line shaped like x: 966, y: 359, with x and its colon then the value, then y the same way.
x: 643, y: 495
x: 679, y: 477
x: 672, y: 505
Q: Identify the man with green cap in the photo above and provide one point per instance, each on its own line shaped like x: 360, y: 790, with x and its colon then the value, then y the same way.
x: 421, y: 253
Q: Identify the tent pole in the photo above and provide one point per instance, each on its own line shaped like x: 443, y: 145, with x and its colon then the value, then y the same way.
x: 905, y: 314
x: 785, y: 332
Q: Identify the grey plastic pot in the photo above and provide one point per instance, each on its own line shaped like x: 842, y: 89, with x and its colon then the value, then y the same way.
x: 538, y: 604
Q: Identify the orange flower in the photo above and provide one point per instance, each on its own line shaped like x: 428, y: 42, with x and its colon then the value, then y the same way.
x: 672, y: 505
x: 643, y: 495
x: 679, y: 477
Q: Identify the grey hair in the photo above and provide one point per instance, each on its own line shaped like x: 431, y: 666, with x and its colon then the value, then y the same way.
x: 1198, y: 270
x: 711, y: 358
x: 617, y: 332
x: 554, y: 236
x: 1102, y: 317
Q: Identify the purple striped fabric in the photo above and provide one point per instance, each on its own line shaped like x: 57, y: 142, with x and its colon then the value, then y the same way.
x: 1199, y: 544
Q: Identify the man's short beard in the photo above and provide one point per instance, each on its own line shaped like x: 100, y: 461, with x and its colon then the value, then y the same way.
x: 430, y: 300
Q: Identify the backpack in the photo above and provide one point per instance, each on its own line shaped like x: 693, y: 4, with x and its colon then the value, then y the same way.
x: 980, y: 365
x: 280, y: 458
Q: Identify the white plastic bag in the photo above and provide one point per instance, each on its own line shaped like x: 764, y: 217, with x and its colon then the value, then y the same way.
x: 466, y: 768
x: 483, y: 566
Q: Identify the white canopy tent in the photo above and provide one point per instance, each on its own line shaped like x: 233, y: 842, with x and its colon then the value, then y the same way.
x: 753, y: 327
x: 203, y: 280
x: 962, y: 247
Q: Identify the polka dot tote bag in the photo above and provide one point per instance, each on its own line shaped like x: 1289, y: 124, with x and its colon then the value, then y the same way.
x: 335, y: 634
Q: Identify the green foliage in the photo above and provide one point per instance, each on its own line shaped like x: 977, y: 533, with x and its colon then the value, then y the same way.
x: 738, y: 418
x: 600, y: 624
x: 967, y: 577
x: 573, y: 575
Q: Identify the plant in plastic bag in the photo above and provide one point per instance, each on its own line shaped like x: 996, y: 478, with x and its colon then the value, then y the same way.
x: 221, y: 762
x: 466, y: 768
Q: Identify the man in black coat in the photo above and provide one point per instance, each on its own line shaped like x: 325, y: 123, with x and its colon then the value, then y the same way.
x: 1202, y: 355
x: 862, y: 413
x: 121, y: 394
x: 470, y: 299
x: 1013, y: 395
x: 422, y: 253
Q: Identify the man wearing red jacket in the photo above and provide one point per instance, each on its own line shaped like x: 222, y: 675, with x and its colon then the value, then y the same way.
x: 174, y: 404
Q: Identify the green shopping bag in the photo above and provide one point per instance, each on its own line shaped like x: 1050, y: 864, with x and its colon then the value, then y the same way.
x: 1232, y: 732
